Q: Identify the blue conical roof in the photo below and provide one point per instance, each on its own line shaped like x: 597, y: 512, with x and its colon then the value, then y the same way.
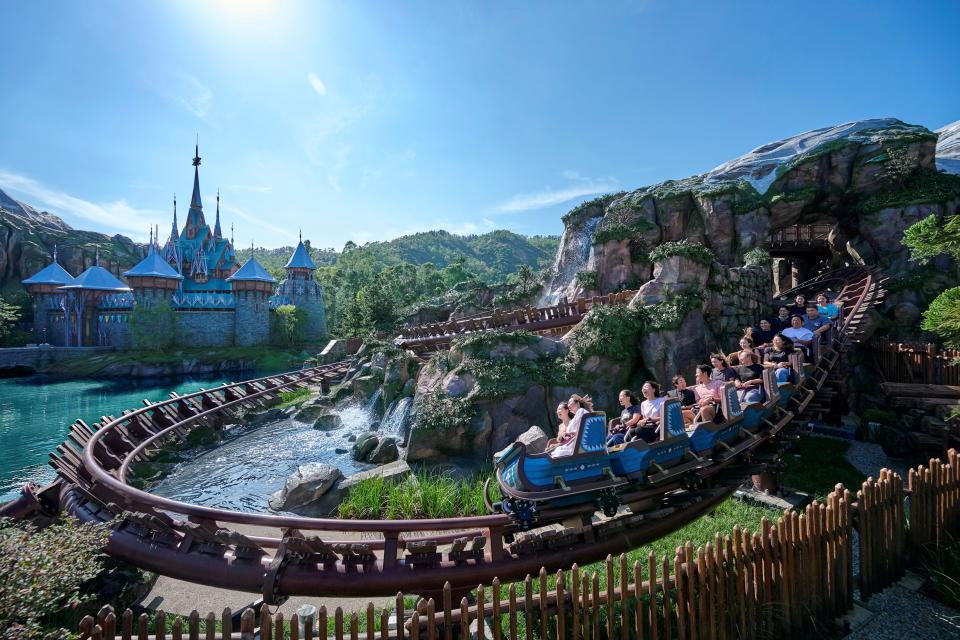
x: 301, y: 258
x: 153, y: 266
x: 252, y: 270
x: 53, y: 273
x: 96, y: 278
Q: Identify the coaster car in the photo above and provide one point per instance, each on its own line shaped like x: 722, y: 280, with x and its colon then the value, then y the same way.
x: 663, y: 459
x: 705, y: 437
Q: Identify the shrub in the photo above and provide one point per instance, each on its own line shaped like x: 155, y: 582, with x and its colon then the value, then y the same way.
x: 607, y: 330
x: 442, y: 413
x: 669, y: 314
x: 589, y: 280
x: 757, y: 256
x: 44, y: 570
x: 153, y: 326
x: 291, y: 324
x: 690, y: 250
x: 943, y: 317
x: 942, y: 565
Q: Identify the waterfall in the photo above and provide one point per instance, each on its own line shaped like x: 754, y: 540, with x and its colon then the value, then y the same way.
x: 394, y: 421
x: 573, y: 255
x: 373, y: 406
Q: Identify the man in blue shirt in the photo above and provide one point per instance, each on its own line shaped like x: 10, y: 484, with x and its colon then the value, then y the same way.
x: 815, y: 322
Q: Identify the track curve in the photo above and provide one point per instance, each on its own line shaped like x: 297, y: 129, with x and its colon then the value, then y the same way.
x: 278, y: 555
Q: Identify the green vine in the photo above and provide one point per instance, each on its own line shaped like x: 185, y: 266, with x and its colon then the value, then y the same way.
x: 757, y: 256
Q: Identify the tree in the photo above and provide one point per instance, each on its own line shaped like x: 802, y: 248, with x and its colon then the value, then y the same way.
x: 153, y: 326
x: 927, y: 239
x: 526, y: 276
x: 9, y: 315
x: 43, y: 571
x: 291, y: 325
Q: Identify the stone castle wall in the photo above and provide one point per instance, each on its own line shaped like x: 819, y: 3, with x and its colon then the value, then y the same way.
x: 252, y: 319
x: 205, y: 328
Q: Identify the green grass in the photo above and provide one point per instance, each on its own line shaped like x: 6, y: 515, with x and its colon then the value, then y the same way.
x: 816, y: 465
x: 290, y: 398
x: 431, y: 494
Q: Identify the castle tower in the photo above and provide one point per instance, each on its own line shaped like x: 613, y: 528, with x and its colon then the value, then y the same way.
x: 153, y: 279
x: 43, y: 286
x: 252, y: 288
x: 82, y: 296
x: 301, y: 290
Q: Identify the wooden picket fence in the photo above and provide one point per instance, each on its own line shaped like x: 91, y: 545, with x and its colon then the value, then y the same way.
x: 916, y: 364
x: 786, y: 580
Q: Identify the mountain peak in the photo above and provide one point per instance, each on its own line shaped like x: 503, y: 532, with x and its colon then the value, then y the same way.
x: 948, y: 148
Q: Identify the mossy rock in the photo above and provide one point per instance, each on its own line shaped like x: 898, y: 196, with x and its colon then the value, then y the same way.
x: 202, y: 436
x: 310, y: 413
x: 329, y: 422
x: 366, y: 442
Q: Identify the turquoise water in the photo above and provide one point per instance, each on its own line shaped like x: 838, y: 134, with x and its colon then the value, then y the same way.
x: 36, y: 413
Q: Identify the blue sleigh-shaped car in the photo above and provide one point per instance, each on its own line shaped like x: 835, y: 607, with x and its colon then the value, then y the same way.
x: 591, y: 471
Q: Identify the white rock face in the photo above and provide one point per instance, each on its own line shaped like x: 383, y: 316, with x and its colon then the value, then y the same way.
x: 759, y: 167
x: 948, y: 148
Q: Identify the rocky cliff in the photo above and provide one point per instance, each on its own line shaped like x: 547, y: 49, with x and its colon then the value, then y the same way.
x: 868, y: 180
x: 27, y: 238
x: 694, y: 249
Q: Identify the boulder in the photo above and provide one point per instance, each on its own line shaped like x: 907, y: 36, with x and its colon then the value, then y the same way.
x: 396, y: 471
x: 306, y: 485
x: 311, y: 412
x: 385, y: 451
x: 330, y: 422
x: 535, y: 438
x: 366, y: 442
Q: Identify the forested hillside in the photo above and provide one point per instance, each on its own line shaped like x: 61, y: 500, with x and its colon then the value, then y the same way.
x: 372, y: 287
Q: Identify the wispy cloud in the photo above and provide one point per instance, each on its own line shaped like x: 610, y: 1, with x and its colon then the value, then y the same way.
x: 257, y: 221
x: 317, y: 84
x: 578, y: 186
x: 188, y: 93
x: 113, y: 216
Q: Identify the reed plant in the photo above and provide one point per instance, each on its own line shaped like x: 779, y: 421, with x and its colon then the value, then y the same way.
x: 430, y: 493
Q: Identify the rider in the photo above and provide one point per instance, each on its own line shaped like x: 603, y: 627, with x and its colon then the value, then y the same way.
x: 580, y: 406
x: 629, y: 417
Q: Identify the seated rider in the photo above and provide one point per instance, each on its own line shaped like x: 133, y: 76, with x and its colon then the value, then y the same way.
x: 686, y: 396
x: 762, y: 336
x: 782, y: 321
x: 580, y: 406
x: 799, y: 306
x: 648, y: 429
x: 721, y: 368
x: 798, y: 334
x: 815, y: 322
x: 707, y: 392
x: 564, y: 415
x: 750, y: 379
x: 778, y: 357
x: 618, y: 427
x: 830, y: 310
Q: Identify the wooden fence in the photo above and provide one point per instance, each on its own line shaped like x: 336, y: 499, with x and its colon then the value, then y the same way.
x: 785, y: 580
x: 916, y: 364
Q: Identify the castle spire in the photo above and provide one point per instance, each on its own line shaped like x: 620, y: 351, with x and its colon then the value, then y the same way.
x: 54, y: 253
x: 196, y: 225
x: 216, y: 229
x: 175, y: 232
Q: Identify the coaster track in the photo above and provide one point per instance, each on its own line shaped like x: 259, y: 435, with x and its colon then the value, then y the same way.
x: 279, y: 555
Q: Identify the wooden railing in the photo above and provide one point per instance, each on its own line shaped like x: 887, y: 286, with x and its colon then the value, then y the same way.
x: 800, y: 235
x: 776, y: 582
x: 916, y: 364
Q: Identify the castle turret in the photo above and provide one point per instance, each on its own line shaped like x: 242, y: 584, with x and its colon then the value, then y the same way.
x: 44, y: 287
x: 82, y: 296
x: 252, y: 287
x: 153, y: 279
x: 303, y: 291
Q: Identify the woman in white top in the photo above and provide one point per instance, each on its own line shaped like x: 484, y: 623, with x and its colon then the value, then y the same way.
x: 580, y: 406
x: 649, y: 426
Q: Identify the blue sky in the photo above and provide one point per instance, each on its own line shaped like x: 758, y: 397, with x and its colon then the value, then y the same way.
x: 367, y: 120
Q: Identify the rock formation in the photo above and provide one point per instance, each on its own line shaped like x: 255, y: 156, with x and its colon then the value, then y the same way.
x: 27, y: 238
